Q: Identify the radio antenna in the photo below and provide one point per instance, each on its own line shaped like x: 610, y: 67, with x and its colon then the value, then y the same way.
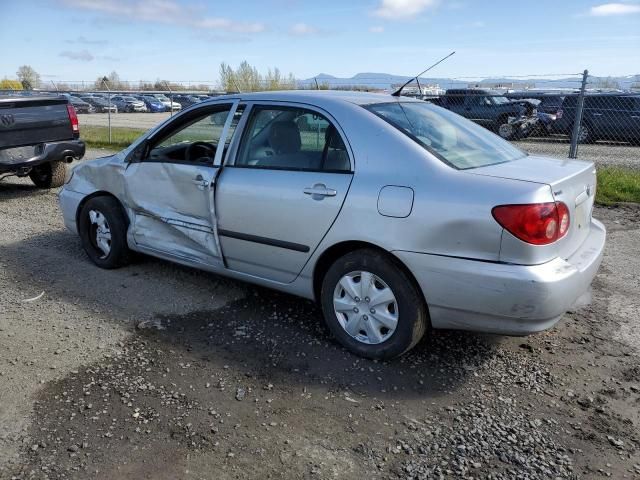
x: 399, y: 91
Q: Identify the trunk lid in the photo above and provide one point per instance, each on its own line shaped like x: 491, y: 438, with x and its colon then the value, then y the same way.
x: 33, y: 120
x: 571, y: 181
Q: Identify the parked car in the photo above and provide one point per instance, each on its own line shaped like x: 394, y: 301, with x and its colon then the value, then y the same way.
x: 396, y: 215
x: 171, y: 105
x: 186, y: 100
x: 39, y: 135
x: 488, y: 108
x: 127, y: 103
x: 152, y: 103
x: 605, y: 117
x: 100, y: 104
x: 80, y: 105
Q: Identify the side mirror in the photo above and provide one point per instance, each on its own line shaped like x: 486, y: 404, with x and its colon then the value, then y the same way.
x: 138, y: 153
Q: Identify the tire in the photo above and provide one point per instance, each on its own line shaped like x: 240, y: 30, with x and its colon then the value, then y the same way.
x: 49, y: 175
x: 585, y: 134
x: 507, y: 131
x: 370, y: 337
x: 103, y: 230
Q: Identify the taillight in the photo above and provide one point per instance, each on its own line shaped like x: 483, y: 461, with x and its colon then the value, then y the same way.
x: 559, y: 114
x: 73, y: 118
x: 536, y: 223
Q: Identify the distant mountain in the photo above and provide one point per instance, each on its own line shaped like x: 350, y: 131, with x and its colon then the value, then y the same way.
x: 386, y: 81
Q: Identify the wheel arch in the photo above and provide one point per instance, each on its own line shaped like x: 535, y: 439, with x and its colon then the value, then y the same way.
x: 338, y: 250
x: 99, y: 193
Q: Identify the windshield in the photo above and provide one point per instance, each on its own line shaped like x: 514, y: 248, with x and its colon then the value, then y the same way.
x: 450, y: 137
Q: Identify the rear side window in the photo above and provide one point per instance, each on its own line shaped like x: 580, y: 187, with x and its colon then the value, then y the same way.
x: 456, y: 141
x: 288, y: 138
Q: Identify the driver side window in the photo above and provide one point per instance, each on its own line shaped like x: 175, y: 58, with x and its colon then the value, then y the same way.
x: 195, y: 141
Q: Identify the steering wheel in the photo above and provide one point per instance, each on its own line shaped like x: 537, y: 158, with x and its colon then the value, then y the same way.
x: 208, y: 149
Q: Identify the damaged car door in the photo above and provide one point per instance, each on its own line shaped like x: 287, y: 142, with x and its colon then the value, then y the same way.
x: 170, y: 185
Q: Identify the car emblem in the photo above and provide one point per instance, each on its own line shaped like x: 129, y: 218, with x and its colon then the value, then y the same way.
x: 7, y: 120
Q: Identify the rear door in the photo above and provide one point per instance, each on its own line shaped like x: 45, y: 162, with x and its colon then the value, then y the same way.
x: 170, y: 190
x: 281, y: 190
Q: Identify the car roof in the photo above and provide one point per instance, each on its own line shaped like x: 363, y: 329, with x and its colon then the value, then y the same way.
x: 320, y: 97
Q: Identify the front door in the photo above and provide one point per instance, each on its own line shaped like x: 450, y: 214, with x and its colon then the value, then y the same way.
x: 281, y: 192
x: 170, y: 190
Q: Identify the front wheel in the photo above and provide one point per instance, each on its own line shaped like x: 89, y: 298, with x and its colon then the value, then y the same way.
x: 49, y: 175
x: 103, y: 230
x: 372, y: 306
x: 506, y: 131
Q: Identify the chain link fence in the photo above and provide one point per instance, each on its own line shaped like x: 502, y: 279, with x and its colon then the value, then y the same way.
x: 574, y: 116
x: 562, y: 115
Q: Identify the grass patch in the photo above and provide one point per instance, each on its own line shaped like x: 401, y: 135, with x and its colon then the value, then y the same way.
x: 617, y: 184
x: 98, y: 137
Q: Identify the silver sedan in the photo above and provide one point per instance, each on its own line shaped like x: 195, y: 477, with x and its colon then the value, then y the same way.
x: 395, y: 215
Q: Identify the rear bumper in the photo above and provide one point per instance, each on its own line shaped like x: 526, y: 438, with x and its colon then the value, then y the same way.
x: 42, y: 153
x: 502, y: 298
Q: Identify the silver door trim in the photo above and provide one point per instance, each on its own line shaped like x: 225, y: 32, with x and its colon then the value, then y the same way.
x: 217, y: 165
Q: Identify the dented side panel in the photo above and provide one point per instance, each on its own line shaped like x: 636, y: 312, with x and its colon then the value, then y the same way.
x: 171, y: 204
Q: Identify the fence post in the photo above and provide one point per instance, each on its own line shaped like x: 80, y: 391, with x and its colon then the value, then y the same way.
x: 573, y: 150
x: 170, y: 98
x: 104, y: 82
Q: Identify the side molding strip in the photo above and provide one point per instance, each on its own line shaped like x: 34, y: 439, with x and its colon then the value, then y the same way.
x: 264, y: 240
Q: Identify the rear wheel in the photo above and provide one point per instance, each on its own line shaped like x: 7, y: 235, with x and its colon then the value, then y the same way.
x: 372, y: 306
x: 585, y: 134
x: 103, y: 230
x: 49, y: 175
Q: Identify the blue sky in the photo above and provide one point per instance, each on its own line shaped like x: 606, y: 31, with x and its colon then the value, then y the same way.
x: 186, y: 40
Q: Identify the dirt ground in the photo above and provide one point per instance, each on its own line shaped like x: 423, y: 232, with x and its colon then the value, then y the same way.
x: 162, y: 372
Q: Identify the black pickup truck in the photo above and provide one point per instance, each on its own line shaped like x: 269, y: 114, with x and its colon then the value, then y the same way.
x: 38, y: 137
x: 488, y: 108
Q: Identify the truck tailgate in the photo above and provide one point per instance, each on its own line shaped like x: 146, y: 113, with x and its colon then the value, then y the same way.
x: 30, y: 121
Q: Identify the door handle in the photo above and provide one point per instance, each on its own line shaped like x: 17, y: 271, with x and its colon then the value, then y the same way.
x: 635, y: 116
x: 200, y: 182
x: 320, y: 190
x: 596, y: 114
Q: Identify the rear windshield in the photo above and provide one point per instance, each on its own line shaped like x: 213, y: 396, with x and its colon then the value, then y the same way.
x: 450, y: 137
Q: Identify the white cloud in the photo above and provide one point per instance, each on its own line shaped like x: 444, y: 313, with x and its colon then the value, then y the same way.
x: 81, y: 55
x: 303, y: 29
x: 376, y: 29
x: 85, y: 41
x: 403, y: 9
x: 609, y: 9
x: 165, y: 12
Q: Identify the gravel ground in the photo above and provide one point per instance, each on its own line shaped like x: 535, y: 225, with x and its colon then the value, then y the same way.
x: 158, y: 371
x: 603, y: 153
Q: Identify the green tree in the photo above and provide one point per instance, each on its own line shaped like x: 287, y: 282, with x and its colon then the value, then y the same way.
x: 29, y: 78
x: 247, y: 79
